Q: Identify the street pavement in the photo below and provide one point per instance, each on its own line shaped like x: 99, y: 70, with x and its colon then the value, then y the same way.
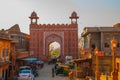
x: 46, y: 74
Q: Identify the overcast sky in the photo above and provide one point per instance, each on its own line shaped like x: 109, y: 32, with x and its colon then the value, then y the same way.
x: 91, y: 12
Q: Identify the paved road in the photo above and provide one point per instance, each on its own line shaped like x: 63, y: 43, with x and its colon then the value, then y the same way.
x: 46, y: 74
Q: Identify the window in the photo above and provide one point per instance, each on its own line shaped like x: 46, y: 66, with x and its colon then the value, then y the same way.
x: 106, y: 45
x: 7, y: 52
x: 2, y: 52
x: 118, y: 65
x: 12, y: 36
x: 93, y: 47
x: 74, y: 21
x: 118, y: 45
x: 33, y: 21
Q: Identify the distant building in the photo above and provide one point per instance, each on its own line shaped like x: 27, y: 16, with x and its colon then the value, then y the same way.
x: 42, y: 35
x: 101, y: 37
x: 22, y: 38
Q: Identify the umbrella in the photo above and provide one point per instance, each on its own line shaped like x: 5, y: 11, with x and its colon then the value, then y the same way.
x: 39, y: 61
x: 30, y: 59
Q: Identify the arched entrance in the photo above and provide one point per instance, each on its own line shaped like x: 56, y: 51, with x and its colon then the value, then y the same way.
x: 54, y: 50
x: 53, y: 38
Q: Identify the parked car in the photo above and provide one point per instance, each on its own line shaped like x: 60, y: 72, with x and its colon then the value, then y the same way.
x: 25, y: 75
x: 25, y: 68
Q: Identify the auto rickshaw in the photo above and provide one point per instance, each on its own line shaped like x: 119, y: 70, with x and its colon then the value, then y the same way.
x: 62, y: 69
x: 70, y: 63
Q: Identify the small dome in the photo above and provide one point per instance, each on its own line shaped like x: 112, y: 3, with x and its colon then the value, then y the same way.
x: 117, y: 25
x: 34, y: 15
x: 74, y: 15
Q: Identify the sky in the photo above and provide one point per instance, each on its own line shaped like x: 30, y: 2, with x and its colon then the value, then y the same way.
x: 92, y: 13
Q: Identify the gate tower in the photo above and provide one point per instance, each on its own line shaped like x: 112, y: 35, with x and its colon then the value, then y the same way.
x: 41, y: 35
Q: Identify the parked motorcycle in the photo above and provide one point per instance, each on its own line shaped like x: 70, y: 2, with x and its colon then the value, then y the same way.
x: 35, y: 72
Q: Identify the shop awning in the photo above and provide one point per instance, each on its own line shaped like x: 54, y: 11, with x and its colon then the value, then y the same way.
x: 29, y: 59
x: 32, y: 59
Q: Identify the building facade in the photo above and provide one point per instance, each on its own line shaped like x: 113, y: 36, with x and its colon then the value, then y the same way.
x: 42, y: 35
x: 18, y: 45
x: 4, y: 56
x: 100, y: 37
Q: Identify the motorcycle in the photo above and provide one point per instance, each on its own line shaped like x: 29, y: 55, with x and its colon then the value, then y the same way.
x: 35, y: 72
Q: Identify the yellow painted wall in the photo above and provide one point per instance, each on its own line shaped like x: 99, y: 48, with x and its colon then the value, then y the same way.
x: 4, y: 43
x: 118, y: 62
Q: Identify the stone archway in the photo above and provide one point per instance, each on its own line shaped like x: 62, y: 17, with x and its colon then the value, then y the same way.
x: 51, y: 38
x: 41, y: 35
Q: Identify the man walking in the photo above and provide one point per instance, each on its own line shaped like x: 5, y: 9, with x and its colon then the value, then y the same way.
x: 53, y: 72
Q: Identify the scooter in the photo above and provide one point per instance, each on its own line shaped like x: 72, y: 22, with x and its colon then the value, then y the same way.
x: 36, y: 73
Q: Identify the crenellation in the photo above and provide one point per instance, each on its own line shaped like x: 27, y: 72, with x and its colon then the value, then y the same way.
x: 53, y: 26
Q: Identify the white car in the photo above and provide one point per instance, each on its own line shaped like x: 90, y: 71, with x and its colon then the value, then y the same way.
x: 26, y: 75
x: 25, y: 68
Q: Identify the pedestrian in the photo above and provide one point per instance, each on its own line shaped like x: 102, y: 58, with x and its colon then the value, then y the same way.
x: 53, y: 72
x: 56, y: 66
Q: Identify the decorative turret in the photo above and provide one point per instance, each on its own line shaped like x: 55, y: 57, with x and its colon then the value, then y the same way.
x: 74, y: 18
x: 34, y: 18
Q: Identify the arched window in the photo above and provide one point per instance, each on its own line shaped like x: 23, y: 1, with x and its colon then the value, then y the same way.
x: 118, y: 45
x: 93, y: 47
x: 106, y: 45
x: 2, y: 52
x: 7, y: 52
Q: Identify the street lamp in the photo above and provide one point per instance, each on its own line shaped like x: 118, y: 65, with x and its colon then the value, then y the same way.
x: 114, y: 47
x: 97, y: 73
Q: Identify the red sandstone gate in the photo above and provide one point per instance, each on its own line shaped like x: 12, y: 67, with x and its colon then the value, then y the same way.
x: 41, y: 35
